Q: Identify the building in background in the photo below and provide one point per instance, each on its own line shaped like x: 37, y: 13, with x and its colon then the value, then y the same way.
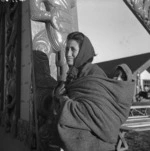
x: 139, y: 65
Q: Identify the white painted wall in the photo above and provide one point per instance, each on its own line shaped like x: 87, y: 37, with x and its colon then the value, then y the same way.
x: 145, y: 75
x: 113, y: 29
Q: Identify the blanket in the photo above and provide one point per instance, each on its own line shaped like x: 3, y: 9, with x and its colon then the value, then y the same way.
x: 97, y: 107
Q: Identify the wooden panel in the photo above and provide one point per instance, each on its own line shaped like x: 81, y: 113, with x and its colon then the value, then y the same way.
x: 26, y: 64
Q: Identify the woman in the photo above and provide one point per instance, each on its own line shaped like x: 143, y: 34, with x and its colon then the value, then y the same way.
x: 92, y: 106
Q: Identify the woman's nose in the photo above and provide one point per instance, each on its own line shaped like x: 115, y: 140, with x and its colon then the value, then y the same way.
x: 69, y: 52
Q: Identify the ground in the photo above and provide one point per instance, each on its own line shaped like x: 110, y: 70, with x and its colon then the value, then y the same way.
x: 8, y: 143
x: 137, y: 141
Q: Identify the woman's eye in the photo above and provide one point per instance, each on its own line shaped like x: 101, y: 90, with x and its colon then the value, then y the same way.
x: 73, y: 49
x: 67, y: 48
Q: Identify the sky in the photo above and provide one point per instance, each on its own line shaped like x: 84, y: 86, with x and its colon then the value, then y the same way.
x: 112, y: 28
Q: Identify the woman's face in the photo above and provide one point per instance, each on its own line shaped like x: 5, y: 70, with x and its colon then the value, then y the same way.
x: 72, y: 50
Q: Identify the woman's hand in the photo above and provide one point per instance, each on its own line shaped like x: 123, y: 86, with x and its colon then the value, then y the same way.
x: 63, y: 99
x: 57, y: 105
x: 60, y: 91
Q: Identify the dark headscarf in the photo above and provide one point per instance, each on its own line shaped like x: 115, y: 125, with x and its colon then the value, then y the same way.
x: 85, y: 55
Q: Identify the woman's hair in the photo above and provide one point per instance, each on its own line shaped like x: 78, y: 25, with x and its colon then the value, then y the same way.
x: 77, y: 36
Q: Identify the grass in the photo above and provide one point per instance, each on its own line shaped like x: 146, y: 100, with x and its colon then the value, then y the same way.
x: 138, y: 141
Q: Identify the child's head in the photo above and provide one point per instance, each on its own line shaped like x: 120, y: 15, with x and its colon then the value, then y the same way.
x: 122, y: 73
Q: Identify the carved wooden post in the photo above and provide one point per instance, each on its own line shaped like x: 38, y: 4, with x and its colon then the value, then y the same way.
x: 56, y: 15
x: 58, y: 20
x: 2, y: 54
x: 12, y: 65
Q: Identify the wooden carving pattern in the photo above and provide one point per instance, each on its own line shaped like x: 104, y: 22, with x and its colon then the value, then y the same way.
x: 2, y: 47
x: 11, y: 42
x: 142, y: 9
x: 58, y: 21
x: 57, y: 17
x: 25, y: 134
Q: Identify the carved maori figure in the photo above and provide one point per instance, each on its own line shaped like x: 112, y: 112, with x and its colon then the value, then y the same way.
x: 57, y: 18
x: 10, y: 65
x: 10, y: 104
x: 11, y: 42
x: 58, y: 21
x: 56, y: 14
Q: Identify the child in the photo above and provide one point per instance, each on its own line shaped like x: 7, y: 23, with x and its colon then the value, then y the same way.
x: 122, y: 73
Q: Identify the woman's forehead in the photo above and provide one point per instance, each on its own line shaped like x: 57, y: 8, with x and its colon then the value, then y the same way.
x: 72, y: 43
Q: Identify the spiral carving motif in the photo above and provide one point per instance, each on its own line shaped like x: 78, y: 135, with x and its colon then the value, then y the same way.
x: 57, y: 18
